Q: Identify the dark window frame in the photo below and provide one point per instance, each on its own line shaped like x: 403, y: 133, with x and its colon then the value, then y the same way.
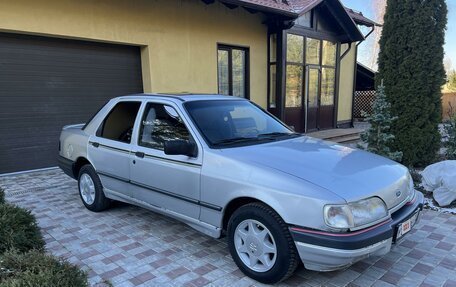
x: 313, y: 21
x: 229, y: 49
x: 144, y: 115
x: 100, y: 130
x: 320, y: 65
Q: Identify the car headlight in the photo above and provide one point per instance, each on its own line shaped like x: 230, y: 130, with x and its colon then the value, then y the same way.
x: 355, y: 214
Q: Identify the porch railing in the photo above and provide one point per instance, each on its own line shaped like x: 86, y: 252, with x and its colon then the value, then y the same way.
x: 363, y: 102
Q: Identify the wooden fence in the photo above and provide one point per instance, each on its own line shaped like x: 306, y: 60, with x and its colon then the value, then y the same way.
x: 364, y: 99
x: 448, y: 102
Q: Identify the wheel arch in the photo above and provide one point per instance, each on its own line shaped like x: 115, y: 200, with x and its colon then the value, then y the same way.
x: 238, y: 202
x: 78, y: 164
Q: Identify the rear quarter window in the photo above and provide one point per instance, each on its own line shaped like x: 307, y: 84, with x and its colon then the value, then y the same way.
x: 118, y: 124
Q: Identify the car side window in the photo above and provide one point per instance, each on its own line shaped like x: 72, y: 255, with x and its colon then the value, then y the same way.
x: 118, y: 124
x: 161, y: 123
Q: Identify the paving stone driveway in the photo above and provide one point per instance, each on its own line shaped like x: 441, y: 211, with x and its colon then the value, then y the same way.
x: 130, y: 246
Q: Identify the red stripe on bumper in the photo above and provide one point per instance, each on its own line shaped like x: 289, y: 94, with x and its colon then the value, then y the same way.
x: 298, y: 229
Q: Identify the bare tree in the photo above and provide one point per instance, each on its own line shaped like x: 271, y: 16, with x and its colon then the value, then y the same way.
x: 448, y: 64
x: 379, y: 7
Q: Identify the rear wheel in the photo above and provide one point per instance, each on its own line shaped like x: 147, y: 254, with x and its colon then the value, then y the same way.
x: 260, y: 244
x: 91, y: 189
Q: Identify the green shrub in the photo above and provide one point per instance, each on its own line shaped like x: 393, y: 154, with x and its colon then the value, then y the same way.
x: 378, y: 136
x: 2, y: 196
x: 36, y: 269
x: 18, y: 229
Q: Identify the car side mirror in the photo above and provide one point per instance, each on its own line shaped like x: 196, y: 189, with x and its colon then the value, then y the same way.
x: 181, y: 147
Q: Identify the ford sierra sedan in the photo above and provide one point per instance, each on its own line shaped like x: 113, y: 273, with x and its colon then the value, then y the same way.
x: 226, y: 167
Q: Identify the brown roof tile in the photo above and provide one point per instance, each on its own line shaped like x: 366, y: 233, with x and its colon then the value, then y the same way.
x: 297, y: 7
x: 359, y: 18
x: 291, y: 6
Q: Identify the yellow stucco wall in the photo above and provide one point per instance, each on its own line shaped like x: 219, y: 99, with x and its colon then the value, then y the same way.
x: 347, y: 73
x: 178, y: 37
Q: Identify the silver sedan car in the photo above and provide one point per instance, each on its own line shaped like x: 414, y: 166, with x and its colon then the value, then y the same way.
x: 226, y: 167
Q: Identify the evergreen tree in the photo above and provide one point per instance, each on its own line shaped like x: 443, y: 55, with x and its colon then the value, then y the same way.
x: 378, y: 137
x: 411, y: 64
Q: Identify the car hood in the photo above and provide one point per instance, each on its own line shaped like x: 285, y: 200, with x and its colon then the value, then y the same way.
x: 350, y: 173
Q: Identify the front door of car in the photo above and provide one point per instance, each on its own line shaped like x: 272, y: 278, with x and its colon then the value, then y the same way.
x: 171, y: 182
x: 109, y: 149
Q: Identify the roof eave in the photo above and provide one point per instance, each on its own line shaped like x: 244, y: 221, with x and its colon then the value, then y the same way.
x: 261, y: 8
x: 310, y: 7
x: 346, y: 21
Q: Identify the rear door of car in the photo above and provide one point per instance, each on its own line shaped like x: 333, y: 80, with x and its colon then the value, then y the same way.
x: 170, y: 182
x: 109, y: 149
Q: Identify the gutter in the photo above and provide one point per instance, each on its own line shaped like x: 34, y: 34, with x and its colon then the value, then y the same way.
x: 357, y: 44
x: 367, y: 35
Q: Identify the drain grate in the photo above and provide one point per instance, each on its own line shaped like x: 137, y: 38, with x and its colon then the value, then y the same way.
x: 36, y: 189
x: 25, y: 191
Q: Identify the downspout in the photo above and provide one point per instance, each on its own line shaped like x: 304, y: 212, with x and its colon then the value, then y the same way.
x: 346, y: 51
x: 350, y: 44
x: 367, y: 35
x: 354, y: 85
x: 355, y: 70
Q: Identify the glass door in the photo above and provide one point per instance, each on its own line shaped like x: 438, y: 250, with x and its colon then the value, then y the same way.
x: 328, y: 85
x: 312, y: 97
x: 310, y: 83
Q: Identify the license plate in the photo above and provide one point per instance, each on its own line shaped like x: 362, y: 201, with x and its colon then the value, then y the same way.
x: 405, y: 227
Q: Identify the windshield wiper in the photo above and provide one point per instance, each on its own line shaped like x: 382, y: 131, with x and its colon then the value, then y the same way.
x: 260, y: 137
x: 276, y: 134
x: 235, y: 140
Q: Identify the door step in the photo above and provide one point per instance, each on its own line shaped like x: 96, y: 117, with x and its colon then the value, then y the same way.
x: 338, y: 135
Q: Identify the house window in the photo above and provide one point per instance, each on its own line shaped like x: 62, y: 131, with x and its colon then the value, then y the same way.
x: 328, y: 73
x: 233, y: 71
x: 313, y: 51
x: 329, y: 53
x: 294, y: 71
x: 272, y: 71
x: 294, y: 86
x: 320, y: 57
x: 272, y: 86
x: 295, y: 48
x: 305, y: 20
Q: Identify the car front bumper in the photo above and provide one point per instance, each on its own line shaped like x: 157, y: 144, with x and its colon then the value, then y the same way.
x: 324, y: 251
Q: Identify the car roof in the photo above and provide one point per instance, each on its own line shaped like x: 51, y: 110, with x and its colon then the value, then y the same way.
x: 181, y: 97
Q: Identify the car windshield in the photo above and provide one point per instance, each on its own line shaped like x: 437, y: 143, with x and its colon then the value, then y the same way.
x: 233, y: 123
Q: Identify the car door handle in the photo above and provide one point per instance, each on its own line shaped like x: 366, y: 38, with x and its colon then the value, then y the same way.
x: 95, y: 144
x: 139, y: 154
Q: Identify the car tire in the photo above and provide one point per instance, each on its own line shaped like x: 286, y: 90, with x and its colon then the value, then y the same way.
x: 91, y: 189
x: 255, y: 232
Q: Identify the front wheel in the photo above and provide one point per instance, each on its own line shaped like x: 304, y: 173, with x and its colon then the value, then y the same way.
x: 91, y: 189
x: 260, y: 244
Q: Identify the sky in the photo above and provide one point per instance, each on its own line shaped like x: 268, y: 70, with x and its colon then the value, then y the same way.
x: 367, y: 8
